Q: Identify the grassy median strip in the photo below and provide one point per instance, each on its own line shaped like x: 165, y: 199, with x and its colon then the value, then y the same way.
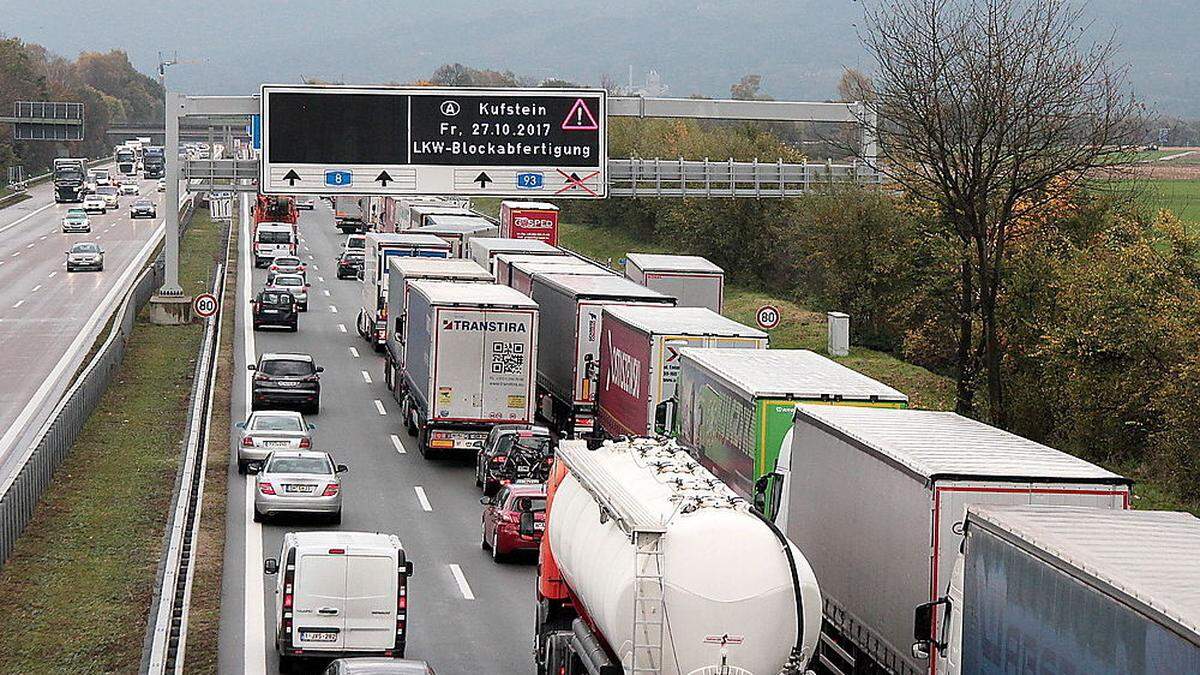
x: 74, y: 596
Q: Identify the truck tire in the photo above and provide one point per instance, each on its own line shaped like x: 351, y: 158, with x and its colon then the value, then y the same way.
x: 423, y: 444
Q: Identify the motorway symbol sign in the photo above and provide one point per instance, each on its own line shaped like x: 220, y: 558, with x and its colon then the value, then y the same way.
x: 433, y: 140
x: 767, y: 317
x: 205, y: 305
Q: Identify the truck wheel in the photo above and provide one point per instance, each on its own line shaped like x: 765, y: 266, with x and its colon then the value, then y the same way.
x: 423, y: 444
x: 410, y: 422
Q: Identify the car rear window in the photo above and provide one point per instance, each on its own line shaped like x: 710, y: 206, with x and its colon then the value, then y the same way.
x: 528, y: 504
x: 106, y: 190
x: 317, y: 465
x: 274, y: 238
x: 286, y: 262
x: 276, y: 298
x: 285, y: 367
x: 275, y: 423
x: 288, y: 281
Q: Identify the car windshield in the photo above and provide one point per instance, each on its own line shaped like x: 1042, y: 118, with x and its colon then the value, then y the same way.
x: 76, y: 213
x: 282, y: 280
x: 317, y: 465
x: 106, y: 190
x: 142, y: 202
x: 85, y: 248
x: 275, y: 423
x: 285, y: 367
x: 274, y: 237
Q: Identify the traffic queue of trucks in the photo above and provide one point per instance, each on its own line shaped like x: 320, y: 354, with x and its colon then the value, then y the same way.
x: 720, y: 481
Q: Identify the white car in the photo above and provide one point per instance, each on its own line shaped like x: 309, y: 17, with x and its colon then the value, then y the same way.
x: 110, y: 194
x: 130, y: 189
x: 95, y: 202
x: 294, y: 284
x: 162, y: 184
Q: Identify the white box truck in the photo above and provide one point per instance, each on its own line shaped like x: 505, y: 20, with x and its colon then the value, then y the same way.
x: 1064, y: 589
x: 470, y: 358
x: 734, y: 406
x: 518, y: 270
x: 876, y: 499
x: 639, y: 362
x: 484, y: 250
x: 378, y: 249
x: 339, y: 594
x: 571, y: 306
x: 691, y: 278
x: 458, y: 230
x: 417, y: 215
x: 402, y: 272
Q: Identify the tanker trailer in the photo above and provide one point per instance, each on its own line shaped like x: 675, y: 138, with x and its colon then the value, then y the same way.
x: 652, y: 565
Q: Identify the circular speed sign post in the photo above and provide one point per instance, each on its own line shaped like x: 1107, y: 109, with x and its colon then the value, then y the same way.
x: 205, y: 305
x: 767, y: 317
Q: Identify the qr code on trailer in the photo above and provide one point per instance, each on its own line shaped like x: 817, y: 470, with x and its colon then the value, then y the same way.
x: 507, y: 357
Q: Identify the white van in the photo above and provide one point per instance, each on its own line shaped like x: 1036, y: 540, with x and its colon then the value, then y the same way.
x: 271, y: 240
x: 340, y: 594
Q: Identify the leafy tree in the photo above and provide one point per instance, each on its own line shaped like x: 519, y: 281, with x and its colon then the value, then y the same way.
x: 748, y: 89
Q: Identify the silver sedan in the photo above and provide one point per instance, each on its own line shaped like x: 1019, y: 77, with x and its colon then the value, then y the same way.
x: 301, y: 481
x: 268, y: 430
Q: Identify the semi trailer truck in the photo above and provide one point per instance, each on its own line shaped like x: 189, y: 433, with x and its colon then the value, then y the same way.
x: 470, y: 355
x: 484, y: 250
x: 639, y: 362
x: 518, y: 270
x: 529, y: 220
x: 1064, y: 589
x: 650, y: 565
x: 876, y: 497
x: 458, y: 230
x: 154, y: 162
x: 377, y: 251
x: 126, y: 158
x: 70, y: 175
x: 694, y: 280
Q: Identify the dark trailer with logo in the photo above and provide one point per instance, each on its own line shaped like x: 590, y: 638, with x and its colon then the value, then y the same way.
x: 470, y: 358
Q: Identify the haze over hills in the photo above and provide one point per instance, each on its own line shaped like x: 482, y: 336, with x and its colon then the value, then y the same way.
x: 698, y: 46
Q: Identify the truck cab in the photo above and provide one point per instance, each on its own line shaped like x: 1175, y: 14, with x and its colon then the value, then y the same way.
x: 340, y: 594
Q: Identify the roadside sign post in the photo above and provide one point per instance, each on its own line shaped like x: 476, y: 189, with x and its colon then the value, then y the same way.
x: 205, y: 305
x: 767, y: 317
x: 328, y: 140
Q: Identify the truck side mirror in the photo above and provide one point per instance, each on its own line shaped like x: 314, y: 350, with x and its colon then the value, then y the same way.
x: 527, y: 527
x: 408, y: 568
x: 923, y: 628
x: 664, y: 417
x: 767, y: 494
x: 270, y: 566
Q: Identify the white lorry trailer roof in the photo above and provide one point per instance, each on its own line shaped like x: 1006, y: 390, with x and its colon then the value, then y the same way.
x: 406, y: 239
x: 457, y: 223
x: 439, y: 268
x: 497, y: 245
x: 681, y: 320
x: 660, y: 262
x: 598, y: 286
x: 938, y: 445
x: 1148, y: 558
x: 472, y: 294
x: 790, y: 373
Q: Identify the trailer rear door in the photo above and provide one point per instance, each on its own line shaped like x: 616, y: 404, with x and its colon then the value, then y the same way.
x: 508, y: 375
x: 370, y: 603
x: 320, y: 601
x: 457, y: 383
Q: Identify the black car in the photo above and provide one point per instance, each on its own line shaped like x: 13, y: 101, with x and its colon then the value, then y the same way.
x: 275, y: 308
x: 514, y: 453
x: 287, y: 381
x: 349, y: 264
x: 142, y: 208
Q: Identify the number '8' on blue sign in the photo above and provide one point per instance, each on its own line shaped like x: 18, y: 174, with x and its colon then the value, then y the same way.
x: 338, y: 178
x: 530, y: 180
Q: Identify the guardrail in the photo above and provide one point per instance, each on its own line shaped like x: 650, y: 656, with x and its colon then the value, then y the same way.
x: 20, y: 494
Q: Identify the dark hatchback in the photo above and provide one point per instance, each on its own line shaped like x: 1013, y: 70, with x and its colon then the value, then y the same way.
x: 287, y: 381
x: 513, y: 454
x: 275, y: 308
x: 349, y: 264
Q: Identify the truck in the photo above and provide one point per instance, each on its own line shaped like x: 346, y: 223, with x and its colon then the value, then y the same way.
x: 572, y: 306
x: 417, y: 215
x: 648, y: 564
x: 274, y: 209
x: 348, y: 213
x: 1068, y: 589
x: 378, y: 249
x: 458, y: 230
x: 529, y: 220
x: 734, y: 407
x: 69, y: 178
x: 517, y: 270
x: 691, y: 278
x: 154, y: 162
x: 639, y: 362
x: 401, y: 272
x: 875, y: 498
x: 484, y: 250
x: 470, y: 354
x: 126, y: 158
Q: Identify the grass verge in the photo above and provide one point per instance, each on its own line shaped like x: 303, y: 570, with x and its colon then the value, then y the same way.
x: 74, y: 596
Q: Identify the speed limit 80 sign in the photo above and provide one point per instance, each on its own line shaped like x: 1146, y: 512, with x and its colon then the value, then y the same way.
x: 205, y: 305
x: 767, y: 317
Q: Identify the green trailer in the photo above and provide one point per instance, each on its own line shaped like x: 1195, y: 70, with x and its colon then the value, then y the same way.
x: 736, y: 405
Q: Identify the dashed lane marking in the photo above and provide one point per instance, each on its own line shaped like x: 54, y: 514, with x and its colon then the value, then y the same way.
x: 397, y: 444
x: 379, y: 407
x: 461, y: 580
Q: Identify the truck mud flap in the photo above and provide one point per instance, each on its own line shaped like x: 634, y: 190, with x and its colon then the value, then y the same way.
x: 849, y: 647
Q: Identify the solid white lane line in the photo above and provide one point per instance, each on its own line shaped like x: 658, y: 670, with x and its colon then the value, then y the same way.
x: 366, y: 377
x: 25, y: 217
x: 333, y: 308
x: 342, y: 327
x: 353, y: 351
x: 379, y: 407
x: 422, y: 498
x: 461, y: 580
x: 396, y: 443
x: 19, y: 303
x: 325, y: 291
x: 35, y: 289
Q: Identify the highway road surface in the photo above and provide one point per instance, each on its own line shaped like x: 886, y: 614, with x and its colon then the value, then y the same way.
x: 467, y: 614
x: 49, y: 319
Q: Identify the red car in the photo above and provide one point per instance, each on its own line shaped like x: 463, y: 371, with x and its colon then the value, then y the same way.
x: 502, y: 519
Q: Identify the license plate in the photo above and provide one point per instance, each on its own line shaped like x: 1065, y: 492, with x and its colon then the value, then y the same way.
x: 299, y: 489
x: 318, y: 635
x: 288, y: 384
x: 277, y: 444
x: 523, y: 470
x: 539, y: 526
x: 270, y: 311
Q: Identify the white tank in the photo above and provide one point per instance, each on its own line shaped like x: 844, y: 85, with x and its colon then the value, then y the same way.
x: 724, y: 571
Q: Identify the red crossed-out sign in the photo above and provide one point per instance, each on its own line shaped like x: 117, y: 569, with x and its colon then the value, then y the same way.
x: 574, y: 181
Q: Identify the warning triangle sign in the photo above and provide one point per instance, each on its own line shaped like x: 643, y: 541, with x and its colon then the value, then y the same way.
x: 580, y: 118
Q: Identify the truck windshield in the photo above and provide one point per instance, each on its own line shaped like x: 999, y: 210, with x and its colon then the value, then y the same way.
x: 69, y: 174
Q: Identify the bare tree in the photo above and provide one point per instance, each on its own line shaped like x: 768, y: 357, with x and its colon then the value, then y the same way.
x: 991, y: 109
x: 855, y: 85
